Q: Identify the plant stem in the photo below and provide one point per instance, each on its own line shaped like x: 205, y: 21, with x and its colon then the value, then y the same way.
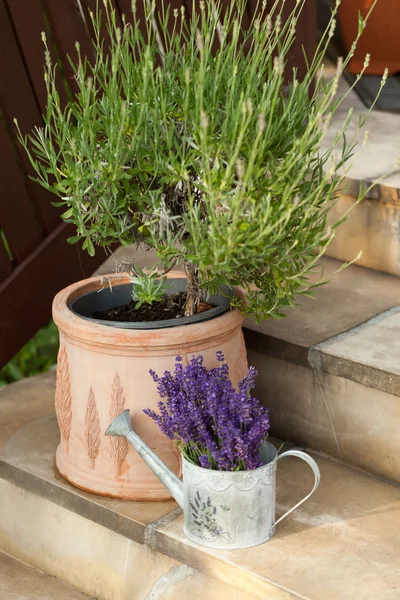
x: 192, y: 289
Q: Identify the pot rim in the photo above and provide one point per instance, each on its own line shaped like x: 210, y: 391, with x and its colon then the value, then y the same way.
x: 235, y: 473
x: 136, y: 341
x: 79, y: 306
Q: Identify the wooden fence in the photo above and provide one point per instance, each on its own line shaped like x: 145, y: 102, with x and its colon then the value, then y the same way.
x: 35, y: 259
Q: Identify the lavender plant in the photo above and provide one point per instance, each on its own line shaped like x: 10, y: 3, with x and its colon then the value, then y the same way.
x: 215, y: 426
x: 186, y: 136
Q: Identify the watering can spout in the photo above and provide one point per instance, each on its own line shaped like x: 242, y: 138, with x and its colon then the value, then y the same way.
x: 122, y: 426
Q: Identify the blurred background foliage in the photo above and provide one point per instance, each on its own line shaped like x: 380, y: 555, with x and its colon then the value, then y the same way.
x: 37, y: 356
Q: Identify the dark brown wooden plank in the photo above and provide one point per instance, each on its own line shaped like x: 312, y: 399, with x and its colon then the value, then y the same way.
x: 226, y: 7
x: 26, y: 295
x: 245, y: 21
x: 306, y: 37
x: 174, y: 5
x: 18, y: 100
x: 88, y: 6
x: 29, y: 23
x: 125, y: 8
x: 306, y: 32
x: 5, y: 262
x: 17, y: 214
x: 76, y: 27
x: 68, y: 27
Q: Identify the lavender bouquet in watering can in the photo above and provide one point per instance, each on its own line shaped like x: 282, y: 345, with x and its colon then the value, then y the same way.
x: 228, y: 489
x: 228, y: 466
x: 215, y: 426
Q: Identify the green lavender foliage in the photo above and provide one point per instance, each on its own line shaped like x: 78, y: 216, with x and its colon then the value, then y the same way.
x: 147, y: 288
x: 193, y: 143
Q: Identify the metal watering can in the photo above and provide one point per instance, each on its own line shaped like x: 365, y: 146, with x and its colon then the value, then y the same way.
x: 222, y: 509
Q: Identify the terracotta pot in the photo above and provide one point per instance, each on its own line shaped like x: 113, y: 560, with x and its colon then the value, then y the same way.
x: 103, y: 370
x: 380, y: 37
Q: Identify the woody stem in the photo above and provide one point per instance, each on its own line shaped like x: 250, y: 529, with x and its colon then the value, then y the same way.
x: 192, y: 289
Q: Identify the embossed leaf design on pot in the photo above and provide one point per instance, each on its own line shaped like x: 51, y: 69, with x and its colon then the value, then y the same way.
x: 92, y: 428
x: 118, y: 445
x: 63, y: 396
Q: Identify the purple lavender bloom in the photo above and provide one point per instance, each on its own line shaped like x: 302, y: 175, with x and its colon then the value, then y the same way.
x: 204, y: 461
x: 215, y: 425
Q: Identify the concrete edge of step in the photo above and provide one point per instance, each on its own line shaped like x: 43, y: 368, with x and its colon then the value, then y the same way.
x: 321, y: 356
x: 164, y: 535
x: 18, y: 578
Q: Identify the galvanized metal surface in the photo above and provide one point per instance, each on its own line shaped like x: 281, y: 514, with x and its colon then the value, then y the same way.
x: 222, y: 509
x: 121, y: 426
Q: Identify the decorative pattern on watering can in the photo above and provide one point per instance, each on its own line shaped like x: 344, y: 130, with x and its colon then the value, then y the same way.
x: 243, y: 480
x: 229, y: 509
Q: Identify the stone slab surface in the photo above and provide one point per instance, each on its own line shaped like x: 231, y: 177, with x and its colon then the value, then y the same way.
x: 19, y: 581
x: 369, y: 353
x: 123, y: 256
x: 94, y: 558
x: 32, y: 400
x: 345, y: 419
x: 373, y: 228
x: 24, y: 401
x: 330, y: 371
x: 380, y: 154
x: 82, y: 553
x: 343, y: 543
x: 28, y: 460
x: 351, y: 298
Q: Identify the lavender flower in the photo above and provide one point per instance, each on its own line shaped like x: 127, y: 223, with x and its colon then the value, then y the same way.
x: 215, y: 426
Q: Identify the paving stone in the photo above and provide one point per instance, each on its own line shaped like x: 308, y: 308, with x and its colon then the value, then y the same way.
x: 342, y: 544
x: 77, y: 550
x: 95, y: 559
x: 124, y: 255
x: 369, y: 354
x: 372, y: 228
x: 24, y: 401
x: 18, y: 581
x: 330, y: 371
x: 351, y: 298
x: 347, y: 420
x: 28, y: 460
x: 382, y: 150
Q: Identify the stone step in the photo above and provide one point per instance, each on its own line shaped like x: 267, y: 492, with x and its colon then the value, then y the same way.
x: 371, y: 228
x: 330, y: 371
x: 373, y: 224
x: 19, y: 581
x: 342, y: 544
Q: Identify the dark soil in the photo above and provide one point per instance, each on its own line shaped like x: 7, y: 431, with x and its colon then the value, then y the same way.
x: 170, y: 307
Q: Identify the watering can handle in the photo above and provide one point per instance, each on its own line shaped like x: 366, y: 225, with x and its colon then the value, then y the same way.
x: 317, y: 474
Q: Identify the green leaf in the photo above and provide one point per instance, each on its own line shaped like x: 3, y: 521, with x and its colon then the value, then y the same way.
x: 68, y: 214
x: 90, y: 247
x: 74, y: 239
